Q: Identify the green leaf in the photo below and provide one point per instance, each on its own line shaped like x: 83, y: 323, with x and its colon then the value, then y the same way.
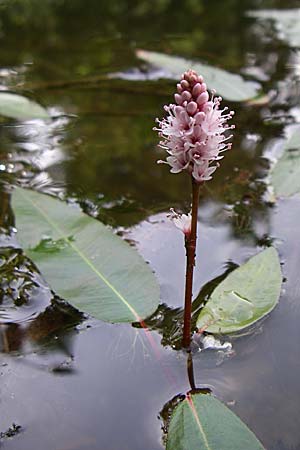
x: 83, y: 261
x: 21, y: 108
x: 246, y: 295
x: 231, y: 86
x: 201, y: 422
x: 285, y: 175
x: 287, y: 22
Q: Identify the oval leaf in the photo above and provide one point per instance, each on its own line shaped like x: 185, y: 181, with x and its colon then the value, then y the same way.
x: 285, y: 175
x: 246, y: 295
x: 21, y: 108
x: 231, y: 86
x: 202, y: 422
x: 83, y: 261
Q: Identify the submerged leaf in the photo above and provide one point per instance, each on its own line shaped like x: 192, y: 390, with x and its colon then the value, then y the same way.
x: 285, y: 175
x: 246, y: 295
x: 18, y: 107
x: 287, y: 22
x: 202, y: 422
x: 83, y: 261
x: 231, y: 86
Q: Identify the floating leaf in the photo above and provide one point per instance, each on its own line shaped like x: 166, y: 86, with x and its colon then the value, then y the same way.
x: 246, y: 295
x: 83, y: 261
x: 231, y: 86
x: 287, y: 22
x: 285, y: 175
x: 21, y: 108
x: 202, y: 422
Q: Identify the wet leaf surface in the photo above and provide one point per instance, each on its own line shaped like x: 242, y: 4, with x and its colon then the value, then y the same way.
x: 21, y: 108
x: 285, y: 175
x: 246, y: 295
x: 83, y: 261
x: 230, y: 86
x: 203, y: 422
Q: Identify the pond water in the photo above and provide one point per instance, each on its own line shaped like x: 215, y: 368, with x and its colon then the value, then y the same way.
x: 74, y: 384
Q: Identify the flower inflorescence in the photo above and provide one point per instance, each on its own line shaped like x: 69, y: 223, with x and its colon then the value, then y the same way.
x: 193, y: 131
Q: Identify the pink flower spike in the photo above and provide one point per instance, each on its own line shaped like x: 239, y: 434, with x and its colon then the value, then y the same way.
x: 194, y: 132
x: 181, y: 221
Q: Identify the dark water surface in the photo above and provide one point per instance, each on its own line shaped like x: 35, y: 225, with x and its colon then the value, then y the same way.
x: 75, y: 384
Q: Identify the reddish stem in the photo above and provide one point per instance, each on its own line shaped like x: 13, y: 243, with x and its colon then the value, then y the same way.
x: 190, y: 245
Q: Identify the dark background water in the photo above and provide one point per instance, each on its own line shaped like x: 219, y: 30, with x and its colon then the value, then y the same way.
x: 91, y: 385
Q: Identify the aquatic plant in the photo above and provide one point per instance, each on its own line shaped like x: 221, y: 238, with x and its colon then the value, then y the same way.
x: 194, y: 134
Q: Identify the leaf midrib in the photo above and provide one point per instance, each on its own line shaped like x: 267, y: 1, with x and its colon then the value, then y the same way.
x: 82, y: 255
x: 198, y: 421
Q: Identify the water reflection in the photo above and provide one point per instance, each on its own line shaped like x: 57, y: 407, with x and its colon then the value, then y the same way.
x: 168, y: 321
x: 191, y: 377
x: 162, y: 244
x: 104, y: 159
x: 33, y: 146
x: 6, y: 218
x: 28, y: 311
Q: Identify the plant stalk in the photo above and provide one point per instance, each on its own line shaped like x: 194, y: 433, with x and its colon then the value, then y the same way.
x: 190, y: 245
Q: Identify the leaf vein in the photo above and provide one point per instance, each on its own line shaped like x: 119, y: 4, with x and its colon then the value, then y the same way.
x: 83, y: 256
x: 197, y: 419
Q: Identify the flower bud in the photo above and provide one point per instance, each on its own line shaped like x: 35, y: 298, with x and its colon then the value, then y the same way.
x: 197, y: 89
x: 178, y: 99
x: 203, y: 98
x: 184, y: 84
x: 186, y: 96
x: 192, y: 108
